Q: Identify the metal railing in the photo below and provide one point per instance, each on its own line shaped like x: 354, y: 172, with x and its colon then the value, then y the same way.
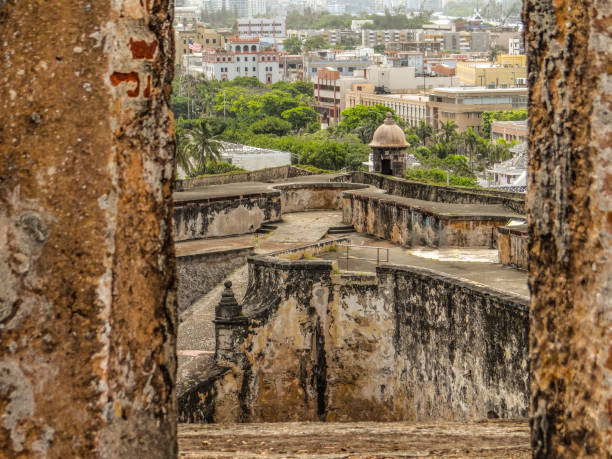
x: 345, y: 254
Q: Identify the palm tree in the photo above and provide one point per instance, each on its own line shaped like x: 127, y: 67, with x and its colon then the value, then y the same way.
x: 470, y: 139
x: 449, y: 130
x: 202, y: 148
x: 423, y: 131
x: 182, y: 151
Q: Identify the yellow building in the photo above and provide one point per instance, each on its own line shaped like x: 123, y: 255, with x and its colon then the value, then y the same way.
x: 208, y: 38
x: 480, y: 73
x: 512, y: 60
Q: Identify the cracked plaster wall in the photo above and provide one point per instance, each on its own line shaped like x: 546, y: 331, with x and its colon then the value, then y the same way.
x: 87, y: 294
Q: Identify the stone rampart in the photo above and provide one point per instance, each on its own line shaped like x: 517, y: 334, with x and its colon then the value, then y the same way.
x: 409, y: 225
x: 225, y: 216
x: 512, y: 245
x: 402, y: 344
x: 262, y: 175
x: 298, y: 197
x: 436, y: 193
x: 199, y: 272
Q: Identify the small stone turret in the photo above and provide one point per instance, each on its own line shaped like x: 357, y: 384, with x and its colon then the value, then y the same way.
x: 230, y: 327
x: 389, y: 148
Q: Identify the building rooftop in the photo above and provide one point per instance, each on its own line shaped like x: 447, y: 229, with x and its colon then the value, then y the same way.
x: 475, y: 89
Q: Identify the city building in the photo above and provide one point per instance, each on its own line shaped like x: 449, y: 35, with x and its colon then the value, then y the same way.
x: 510, y: 174
x: 344, y: 62
x: 464, y: 105
x: 241, y: 57
x: 516, y: 46
x: 405, y: 59
x: 186, y: 15
x: 198, y: 35
x: 429, y: 48
x: 412, y: 108
x: 371, y: 38
x: 329, y: 94
x: 509, y: 131
x: 291, y: 67
x: 403, y: 79
x: 481, y: 73
x: 261, y: 27
x: 332, y: 36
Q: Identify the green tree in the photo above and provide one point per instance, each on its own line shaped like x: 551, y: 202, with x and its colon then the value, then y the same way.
x: 449, y: 130
x: 299, y: 117
x: 182, y: 151
x: 494, y: 52
x: 371, y: 115
x: 380, y: 48
x: 470, y: 140
x: 315, y: 42
x: 201, y: 148
x: 271, y: 125
x: 293, y: 45
x: 423, y: 131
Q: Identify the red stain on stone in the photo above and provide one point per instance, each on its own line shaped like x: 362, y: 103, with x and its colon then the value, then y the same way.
x: 147, y: 91
x: 142, y: 50
x: 132, y: 77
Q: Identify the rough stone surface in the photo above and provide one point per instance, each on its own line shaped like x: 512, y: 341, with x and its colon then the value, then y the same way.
x: 569, y: 49
x: 412, y: 222
x: 515, y: 202
x: 262, y: 175
x: 483, y: 439
x: 199, y: 272
x: 87, y: 294
x: 225, y: 216
x: 310, y: 196
x: 405, y: 344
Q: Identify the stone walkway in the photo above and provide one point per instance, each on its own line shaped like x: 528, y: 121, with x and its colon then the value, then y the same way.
x: 483, y: 439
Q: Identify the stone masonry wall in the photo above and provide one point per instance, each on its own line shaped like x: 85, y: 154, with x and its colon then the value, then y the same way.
x: 408, y: 226
x: 405, y: 344
x: 87, y: 271
x: 512, y: 246
x: 214, y: 217
x: 198, y: 273
x: 262, y: 175
x: 308, y: 196
x: 569, y: 61
x: 436, y: 193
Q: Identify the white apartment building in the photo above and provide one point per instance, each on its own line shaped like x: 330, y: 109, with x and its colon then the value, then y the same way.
x: 515, y: 46
x: 242, y: 57
x: 261, y: 27
x: 412, y: 108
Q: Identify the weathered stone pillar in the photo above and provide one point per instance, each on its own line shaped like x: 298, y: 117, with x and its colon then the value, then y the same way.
x: 570, y: 218
x: 87, y: 296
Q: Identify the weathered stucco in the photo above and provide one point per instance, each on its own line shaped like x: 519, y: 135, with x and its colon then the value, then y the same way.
x: 455, y: 195
x: 512, y: 246
x: 87, y: 294
x: 403, y: 224
x: 569, y: 49
x: 404, y: 344
x: 225, y: 216
x: 299, y: 197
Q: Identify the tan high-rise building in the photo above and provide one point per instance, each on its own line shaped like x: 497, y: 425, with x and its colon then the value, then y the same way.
x: 207, y: 38
x: 465, y: 105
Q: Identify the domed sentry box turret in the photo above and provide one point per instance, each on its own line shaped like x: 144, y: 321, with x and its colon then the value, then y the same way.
x: 230, y: 327
x: 389, y: 148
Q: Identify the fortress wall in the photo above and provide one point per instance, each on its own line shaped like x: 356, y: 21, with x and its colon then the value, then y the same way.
x: 400, y: 223
x: 198, y: 273
x: 436, y: 193
x: 404, y: 344
x: 512, y: 246
x: 313, y: 196
x: 225, y: 216
x: 262, y: 175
